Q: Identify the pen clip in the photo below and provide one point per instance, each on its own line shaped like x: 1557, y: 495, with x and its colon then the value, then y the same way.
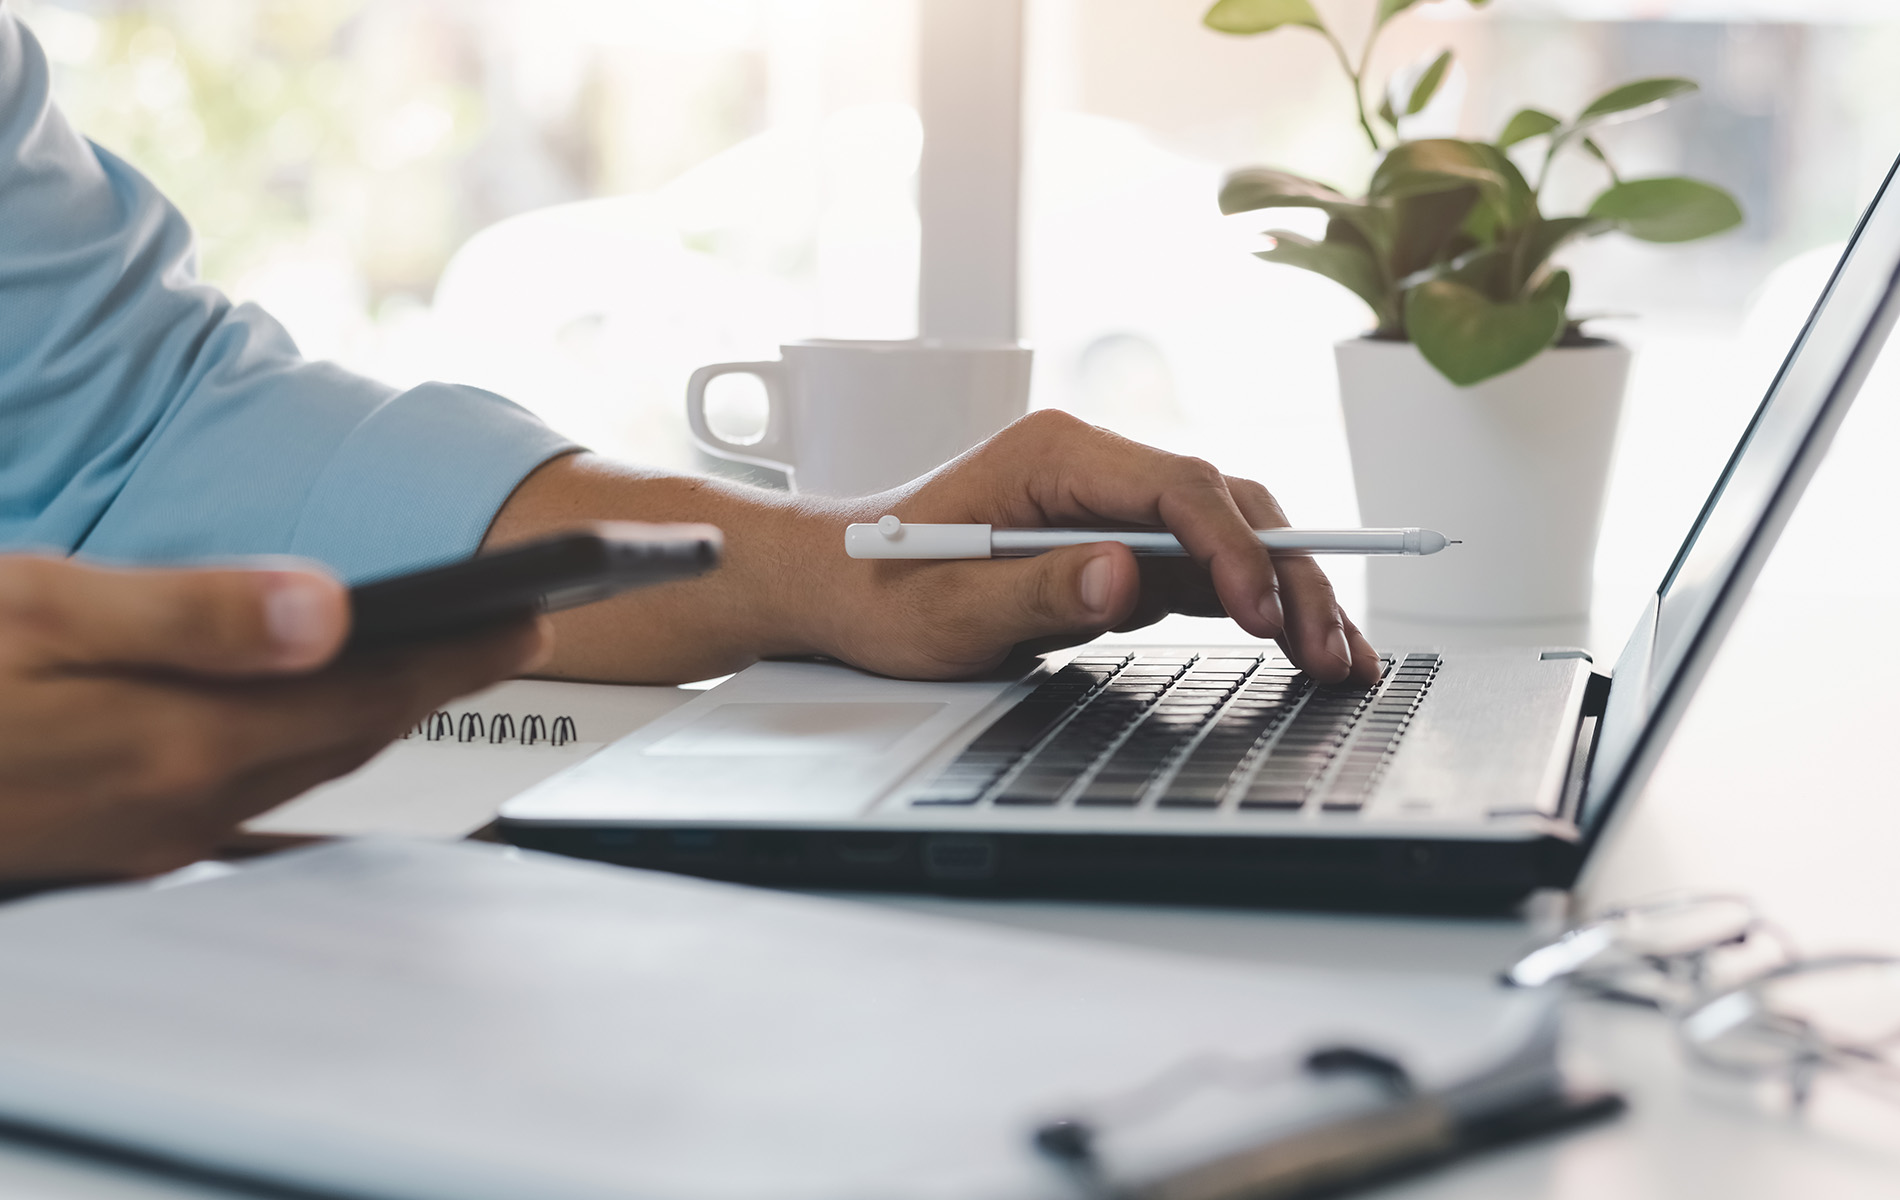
x: 890, y: 537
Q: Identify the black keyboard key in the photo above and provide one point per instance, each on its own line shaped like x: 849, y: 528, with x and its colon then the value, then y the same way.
x: 1228, y: 743
x: 1205, y: 803
x: 1191, y: 714
x: 1196, y: 790
x: 1221, y: 758
x: 1020, y: 728
x: 934, y: 797
x: 1113, y: 793
x: 1034, y: 789
x: 1288, y: 803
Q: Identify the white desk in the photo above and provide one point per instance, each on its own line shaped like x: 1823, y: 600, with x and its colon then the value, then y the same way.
x: 1783, y: 791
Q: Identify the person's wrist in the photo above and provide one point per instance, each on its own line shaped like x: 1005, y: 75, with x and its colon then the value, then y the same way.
x: 821, y: 600
x: 775, y: 553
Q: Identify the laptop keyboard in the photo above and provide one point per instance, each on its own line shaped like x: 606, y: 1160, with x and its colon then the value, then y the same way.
x: 1190, y: 733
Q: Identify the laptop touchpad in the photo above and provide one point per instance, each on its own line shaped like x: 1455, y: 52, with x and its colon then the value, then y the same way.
x: 795, y: 730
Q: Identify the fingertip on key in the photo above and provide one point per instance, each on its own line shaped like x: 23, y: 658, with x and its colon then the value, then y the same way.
x: 1337, y: 647
x: 1272, y: 614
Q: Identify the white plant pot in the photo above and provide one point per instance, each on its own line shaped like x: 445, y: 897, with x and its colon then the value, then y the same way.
x: 1515, y: 466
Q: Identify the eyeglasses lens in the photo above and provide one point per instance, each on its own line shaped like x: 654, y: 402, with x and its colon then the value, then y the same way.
x: 1838, y: 1013
x: 1672, y: 928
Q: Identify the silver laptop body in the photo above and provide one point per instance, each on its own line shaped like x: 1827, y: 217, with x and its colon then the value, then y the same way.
x: 1464, y: 780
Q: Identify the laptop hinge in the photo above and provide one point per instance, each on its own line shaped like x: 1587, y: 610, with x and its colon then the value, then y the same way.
x: 1596, y: 694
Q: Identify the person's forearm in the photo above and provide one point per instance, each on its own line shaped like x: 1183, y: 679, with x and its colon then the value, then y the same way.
x: 755, y: 605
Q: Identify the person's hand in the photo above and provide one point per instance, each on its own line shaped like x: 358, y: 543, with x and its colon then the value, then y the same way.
x: 787, y: 589
x: 145, y: 713
x: 952, y: 618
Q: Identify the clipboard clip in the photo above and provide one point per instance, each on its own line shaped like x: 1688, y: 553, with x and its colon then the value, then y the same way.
x: 1412, y: 1130
x: 1074, y: 1141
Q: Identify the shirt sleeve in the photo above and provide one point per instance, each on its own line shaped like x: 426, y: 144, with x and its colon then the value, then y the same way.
x: 145, y: 418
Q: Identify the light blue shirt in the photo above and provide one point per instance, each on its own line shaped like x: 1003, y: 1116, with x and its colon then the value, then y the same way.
x: 145, y: 418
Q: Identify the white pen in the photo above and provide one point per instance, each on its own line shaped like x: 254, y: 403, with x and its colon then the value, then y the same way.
x: 892, y: 538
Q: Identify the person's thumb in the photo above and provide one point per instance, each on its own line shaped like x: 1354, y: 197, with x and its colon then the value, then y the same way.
x: 216, y: 621
x: 1075, y: 590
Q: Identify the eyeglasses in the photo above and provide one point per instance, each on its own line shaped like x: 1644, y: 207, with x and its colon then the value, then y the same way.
x: 1743, y: 1000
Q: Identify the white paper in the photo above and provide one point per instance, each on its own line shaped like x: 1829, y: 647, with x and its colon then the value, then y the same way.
x: 448, y: 788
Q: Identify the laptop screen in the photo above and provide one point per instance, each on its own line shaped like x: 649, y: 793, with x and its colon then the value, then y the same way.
x: 1738, y: 524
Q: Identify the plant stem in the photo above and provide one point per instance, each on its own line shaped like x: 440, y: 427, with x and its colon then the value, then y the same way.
x: 1358, y: 87
x: 1558, y: 140
x: 1550, y: 156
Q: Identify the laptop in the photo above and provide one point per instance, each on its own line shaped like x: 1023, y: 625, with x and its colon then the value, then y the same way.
x: 1462, y: 781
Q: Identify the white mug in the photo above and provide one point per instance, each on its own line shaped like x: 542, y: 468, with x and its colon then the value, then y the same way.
x: 852, y: 418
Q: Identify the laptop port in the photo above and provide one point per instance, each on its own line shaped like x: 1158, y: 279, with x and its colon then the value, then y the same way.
x: 959, y: 856
x: 693, y: 843
x: 871, y: 849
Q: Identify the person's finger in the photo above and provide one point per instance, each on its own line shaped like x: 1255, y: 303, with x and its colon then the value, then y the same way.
x: 1171, y: 585
x: 1315, y: 637
x: 148, y: 839
x: 217, y: 621
x: 264, y: 788
x: 184, y: 740
x: 1366, y: 664
x: 374, y: 696
x: 980, y: 609
x: 1179, y: 586
x: 1070, y: 466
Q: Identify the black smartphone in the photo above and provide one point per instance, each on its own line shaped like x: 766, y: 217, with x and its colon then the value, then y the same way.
x: 565, y: 570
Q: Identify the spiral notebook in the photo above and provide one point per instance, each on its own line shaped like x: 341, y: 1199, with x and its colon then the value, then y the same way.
x: 452, y: 771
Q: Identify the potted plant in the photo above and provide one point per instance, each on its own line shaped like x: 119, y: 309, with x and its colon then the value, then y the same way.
x: 1477, y: 404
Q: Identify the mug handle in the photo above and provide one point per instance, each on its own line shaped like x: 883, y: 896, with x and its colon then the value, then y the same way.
x: 776, y: 440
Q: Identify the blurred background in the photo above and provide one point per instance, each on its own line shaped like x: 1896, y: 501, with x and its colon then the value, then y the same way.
x: 576, y: 202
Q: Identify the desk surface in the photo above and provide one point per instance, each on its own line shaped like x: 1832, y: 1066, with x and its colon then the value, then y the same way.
x: 1777, y: 789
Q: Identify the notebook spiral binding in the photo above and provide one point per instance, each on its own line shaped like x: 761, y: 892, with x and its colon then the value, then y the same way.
x: 498, y: 729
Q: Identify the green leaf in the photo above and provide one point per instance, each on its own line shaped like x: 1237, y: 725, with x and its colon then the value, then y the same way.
x: 1516, y: 202
x: 1554, y: 290
x: 1260, y: 16
x: 1670, y: 209
x: 1426, y: 225
x: 1548, y: 236
x: 1432, y: 165
x: 1341, y: 262
x: 1427, y: 85
x: 1634, y: 99
x: 1480, y: 268
x: 1254, y: 188
x: 1489, y: 271
x: 1484, y: 225
x: 1595, y: 150
x: 1471, y: 338
x: 1525, y: 124
x: 1385, y: 110
x: 1392, y: 8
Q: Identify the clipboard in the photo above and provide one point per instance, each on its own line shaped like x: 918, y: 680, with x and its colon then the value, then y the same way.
x: 424, y: 1021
